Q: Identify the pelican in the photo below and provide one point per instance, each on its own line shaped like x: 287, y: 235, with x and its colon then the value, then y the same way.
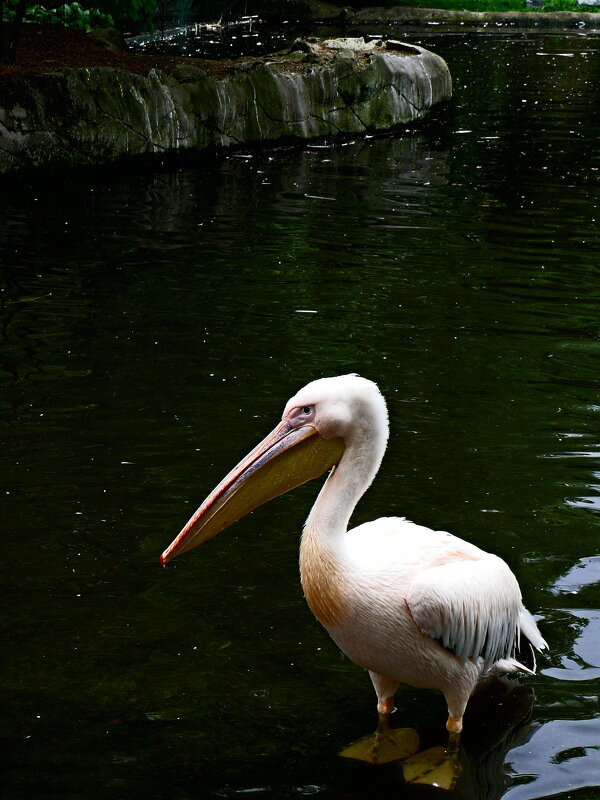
x: 409, y: 604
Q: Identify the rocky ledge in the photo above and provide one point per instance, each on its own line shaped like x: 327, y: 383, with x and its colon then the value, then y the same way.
x: 94, y: 115
x: 393, y: 18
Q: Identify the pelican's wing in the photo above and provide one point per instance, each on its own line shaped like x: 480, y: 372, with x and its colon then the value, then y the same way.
x: 470, y: 607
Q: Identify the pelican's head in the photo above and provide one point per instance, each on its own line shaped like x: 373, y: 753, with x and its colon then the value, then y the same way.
x: 347, y: 406
x: 319, y: 423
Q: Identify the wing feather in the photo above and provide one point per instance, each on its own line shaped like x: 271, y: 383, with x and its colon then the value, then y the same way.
x: 470, y: 606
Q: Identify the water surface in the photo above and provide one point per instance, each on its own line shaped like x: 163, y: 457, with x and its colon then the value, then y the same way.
x: 155, y: 320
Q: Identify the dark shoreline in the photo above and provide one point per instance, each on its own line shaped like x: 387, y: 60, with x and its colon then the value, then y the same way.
x: 318, y: 12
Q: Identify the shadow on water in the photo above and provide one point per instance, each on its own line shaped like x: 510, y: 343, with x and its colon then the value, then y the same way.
x: 153, y: 322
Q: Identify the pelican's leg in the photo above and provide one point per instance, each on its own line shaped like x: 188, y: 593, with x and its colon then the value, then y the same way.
x: 454, y: 728
x: 438, y: 766
x: 386, y: 744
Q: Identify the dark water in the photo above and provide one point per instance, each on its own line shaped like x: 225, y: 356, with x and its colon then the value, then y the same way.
x: 238, y: 37
x: 154, y: 321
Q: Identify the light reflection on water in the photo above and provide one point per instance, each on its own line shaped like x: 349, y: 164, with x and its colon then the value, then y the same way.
x: 586, y: 572
x: 561, y: 754
x: 155, y: 321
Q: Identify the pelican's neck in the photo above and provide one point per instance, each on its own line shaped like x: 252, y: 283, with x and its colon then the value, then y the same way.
x: 331, y: 512
x: 322, y: 551
x: 322, y: 548
x: 357, y: 413
x: 346, y: 484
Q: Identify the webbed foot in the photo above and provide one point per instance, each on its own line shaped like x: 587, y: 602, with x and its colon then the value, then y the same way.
x: 385, y: 745
x: 438, y: 766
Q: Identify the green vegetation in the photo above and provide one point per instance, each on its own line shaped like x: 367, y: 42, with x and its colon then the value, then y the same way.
x: 87, y: 16
x: 74, y: 15
x: 95, y: 14
x: 128, y: 12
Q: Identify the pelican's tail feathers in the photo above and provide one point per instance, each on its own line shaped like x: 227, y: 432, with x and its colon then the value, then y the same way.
x: 528, y: 640
x: 506, y: 666
x: 530, y: 631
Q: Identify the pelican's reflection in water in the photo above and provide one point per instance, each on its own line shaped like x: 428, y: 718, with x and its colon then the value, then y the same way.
x: 495, y: 726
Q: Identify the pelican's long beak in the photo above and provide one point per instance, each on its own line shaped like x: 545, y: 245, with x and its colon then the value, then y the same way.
x: 286, y: 458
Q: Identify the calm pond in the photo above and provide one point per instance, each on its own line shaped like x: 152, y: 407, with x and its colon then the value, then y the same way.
x: 154, y: 322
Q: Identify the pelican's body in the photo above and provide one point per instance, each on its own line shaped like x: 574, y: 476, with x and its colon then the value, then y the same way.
x: 379, y: 606
x: 409, y: 604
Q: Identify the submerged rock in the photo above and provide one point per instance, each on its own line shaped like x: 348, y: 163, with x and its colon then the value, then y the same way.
x: 97, y: 115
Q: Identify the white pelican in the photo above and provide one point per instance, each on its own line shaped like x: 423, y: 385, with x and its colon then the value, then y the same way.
x: 407, y: 603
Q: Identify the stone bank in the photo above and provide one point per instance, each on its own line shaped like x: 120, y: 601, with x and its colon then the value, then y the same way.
x: 97, y: 115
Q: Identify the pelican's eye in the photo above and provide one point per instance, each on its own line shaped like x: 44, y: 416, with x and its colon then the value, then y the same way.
x: 306, y: 410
